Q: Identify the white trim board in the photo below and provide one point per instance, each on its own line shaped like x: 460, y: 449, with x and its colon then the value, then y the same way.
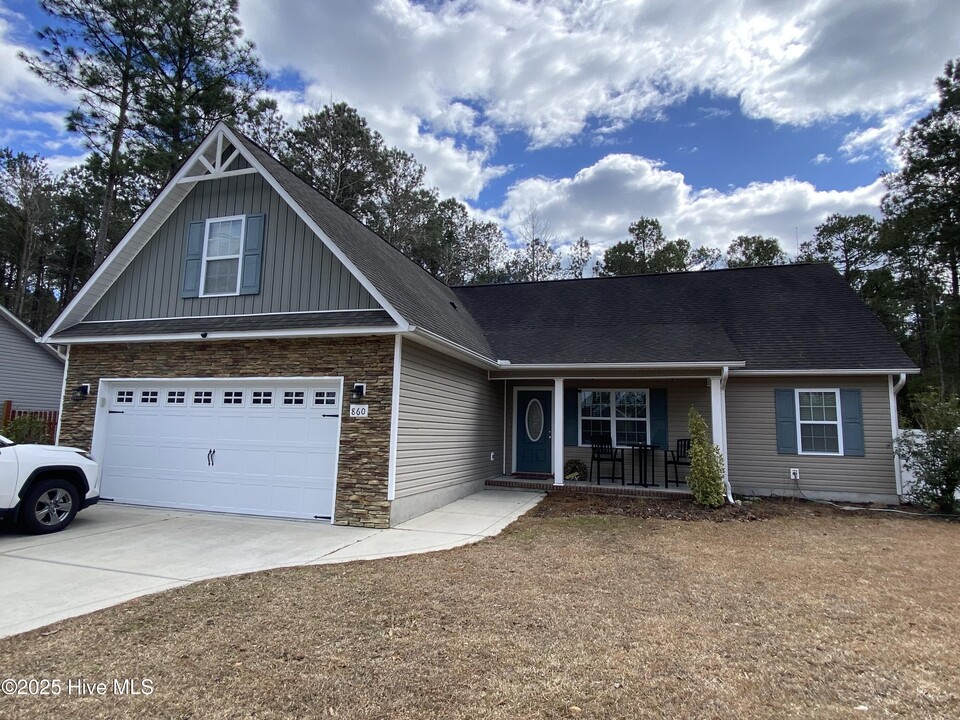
x: 212, y: 317
x: 209, y: 336
x: 394, y: 421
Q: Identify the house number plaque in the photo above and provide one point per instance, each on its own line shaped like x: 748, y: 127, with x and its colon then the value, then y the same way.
x: 359, y: 411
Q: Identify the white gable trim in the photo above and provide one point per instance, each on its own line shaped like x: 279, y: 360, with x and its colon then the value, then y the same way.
x: 324, y: 238
x: 170, y: 197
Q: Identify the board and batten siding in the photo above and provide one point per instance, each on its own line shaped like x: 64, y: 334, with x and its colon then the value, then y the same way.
x: 29, y: 375
x: 300, y: 274
x: 450, y: 422
x: 757, y: 469
x: 681, y: 396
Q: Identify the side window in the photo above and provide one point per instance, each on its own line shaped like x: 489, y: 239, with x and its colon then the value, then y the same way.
x: 818, y: 421
x: 222, y: 254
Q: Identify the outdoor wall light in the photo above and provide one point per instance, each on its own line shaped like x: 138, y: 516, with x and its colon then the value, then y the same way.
x: 359, y: 390
x: 80, y: 392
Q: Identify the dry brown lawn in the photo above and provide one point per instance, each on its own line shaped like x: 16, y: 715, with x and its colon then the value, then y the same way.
x: 572, y: 612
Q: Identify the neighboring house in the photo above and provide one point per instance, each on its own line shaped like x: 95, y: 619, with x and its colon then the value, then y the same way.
x: 31, y: 374
x: 250, y: 347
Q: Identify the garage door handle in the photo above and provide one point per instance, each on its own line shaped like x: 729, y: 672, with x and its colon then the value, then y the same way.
x: 213, y: 457
x: 209, y: 458
x: 115, y: 412
x: 330, y: 415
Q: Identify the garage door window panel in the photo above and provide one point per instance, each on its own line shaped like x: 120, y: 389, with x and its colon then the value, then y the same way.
x: 262, y: 397
x: 203, y: 397
x: 176, y: 397
x: 149, y: 397
x: 233, y: 397
x: 293, y: 398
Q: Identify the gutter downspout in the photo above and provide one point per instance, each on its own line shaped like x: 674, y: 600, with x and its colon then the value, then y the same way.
x: 724, y: 376
x: 895, y: 429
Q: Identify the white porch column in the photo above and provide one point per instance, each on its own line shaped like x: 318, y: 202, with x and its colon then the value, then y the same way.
x: 558, y: 431
x: 718, y: 423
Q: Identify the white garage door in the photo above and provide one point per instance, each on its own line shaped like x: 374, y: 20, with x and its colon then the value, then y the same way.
x: 258, y: 447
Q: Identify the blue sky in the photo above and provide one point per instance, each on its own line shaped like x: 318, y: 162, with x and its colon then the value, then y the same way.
x: 720, y: 118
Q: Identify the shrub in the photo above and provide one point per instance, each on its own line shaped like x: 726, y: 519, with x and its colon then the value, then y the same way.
x: 933, y: 455
x: 706, y: 464
x: 574, y: 470
x: 27, y: 429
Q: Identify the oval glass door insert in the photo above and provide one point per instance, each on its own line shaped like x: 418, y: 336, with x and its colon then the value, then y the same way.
x: 534, y: 420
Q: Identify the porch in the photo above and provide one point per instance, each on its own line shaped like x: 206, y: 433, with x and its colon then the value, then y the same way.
x: 548, y: 421
x: 587, y: 488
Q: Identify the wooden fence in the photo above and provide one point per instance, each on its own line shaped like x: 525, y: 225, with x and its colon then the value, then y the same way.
x: 50, y: 417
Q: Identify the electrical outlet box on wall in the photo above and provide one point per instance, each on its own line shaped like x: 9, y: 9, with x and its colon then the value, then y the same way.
x: 794, y: 473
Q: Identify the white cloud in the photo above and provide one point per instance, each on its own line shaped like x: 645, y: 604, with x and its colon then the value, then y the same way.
x: 547, y: 68
x: 880, y: 140
x: 821, y: 159
x: 601, y: 201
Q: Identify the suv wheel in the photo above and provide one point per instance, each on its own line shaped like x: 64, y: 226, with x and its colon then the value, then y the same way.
x: 49, y: 506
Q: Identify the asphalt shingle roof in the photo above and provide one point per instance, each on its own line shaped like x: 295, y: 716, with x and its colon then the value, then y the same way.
x: 791, y: 317
x: 417, y: 295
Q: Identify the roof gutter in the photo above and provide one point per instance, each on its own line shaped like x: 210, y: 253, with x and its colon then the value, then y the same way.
x: 506, y: 364
x: 434, y: 338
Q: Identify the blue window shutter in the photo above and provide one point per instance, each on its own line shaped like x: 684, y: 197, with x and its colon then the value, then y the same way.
x: 786, y: 422
x: 252, y: 255
x: 851, y: 413
x: 658, y: 417
x: 191, y: 262
x: 571, y: 416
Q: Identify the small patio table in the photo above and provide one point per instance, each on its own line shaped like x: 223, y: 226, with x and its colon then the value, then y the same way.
x: 639, y: 454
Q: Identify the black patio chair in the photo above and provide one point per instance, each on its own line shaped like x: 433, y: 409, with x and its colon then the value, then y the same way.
x: 601, y: 451
x: 677, y: 457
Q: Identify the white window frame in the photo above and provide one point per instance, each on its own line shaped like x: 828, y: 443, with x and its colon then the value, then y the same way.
x: 613, y: 413
x: 206, y: 258
x: 838, y: 422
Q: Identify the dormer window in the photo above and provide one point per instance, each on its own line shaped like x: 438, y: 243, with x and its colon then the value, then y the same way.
x: 222, y: 252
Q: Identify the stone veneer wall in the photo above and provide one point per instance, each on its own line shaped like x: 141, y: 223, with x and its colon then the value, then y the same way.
x: 364, y: 443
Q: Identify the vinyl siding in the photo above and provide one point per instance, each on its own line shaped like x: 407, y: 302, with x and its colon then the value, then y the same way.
x: 29, y: 375
x: 681, y: 395
x: 757, y: 468
x: 450, y: 421
x: 299, y: 272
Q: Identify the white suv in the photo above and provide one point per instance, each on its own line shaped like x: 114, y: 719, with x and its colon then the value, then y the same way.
x: 44, y: 486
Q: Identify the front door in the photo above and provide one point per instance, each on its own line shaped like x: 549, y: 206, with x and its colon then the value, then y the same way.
x: 533, y: 429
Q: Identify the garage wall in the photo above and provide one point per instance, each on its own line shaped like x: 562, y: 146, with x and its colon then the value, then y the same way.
x: 450, y: 421
x: 364, y: 442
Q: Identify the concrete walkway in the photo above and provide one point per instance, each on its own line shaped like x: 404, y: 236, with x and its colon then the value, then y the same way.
x: 112, y: 553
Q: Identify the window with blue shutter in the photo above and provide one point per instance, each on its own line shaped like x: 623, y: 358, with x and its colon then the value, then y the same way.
x: 851, y: 413
x: 659, y: 434
x: 823, y: 422
x: 224, y: 257
x: 786, y: 413
x: 192, y: 261
x: 252, y: 255
x: 571, y: 405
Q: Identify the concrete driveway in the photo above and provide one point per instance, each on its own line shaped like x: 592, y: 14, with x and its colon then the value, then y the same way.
x: 112, y: 553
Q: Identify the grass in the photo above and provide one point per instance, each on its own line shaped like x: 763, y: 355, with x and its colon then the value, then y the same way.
x: 592, y: 609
